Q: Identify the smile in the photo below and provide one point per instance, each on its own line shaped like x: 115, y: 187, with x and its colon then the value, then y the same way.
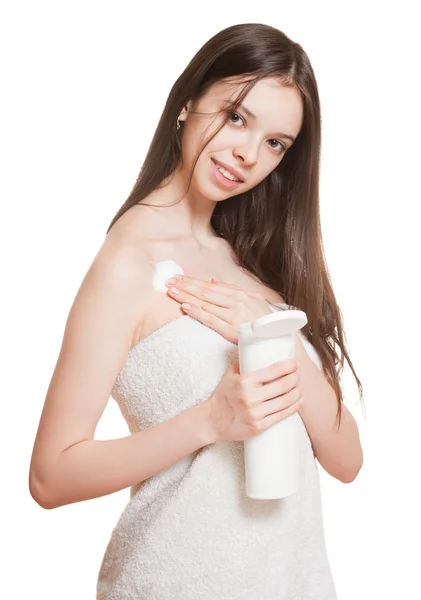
x: 224, y: 177
x: 226, y: 173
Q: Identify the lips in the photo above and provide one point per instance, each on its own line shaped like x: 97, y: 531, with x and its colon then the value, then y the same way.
x: 230, y: 169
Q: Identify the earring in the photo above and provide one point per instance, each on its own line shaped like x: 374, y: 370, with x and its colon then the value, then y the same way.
x: 178, y: 120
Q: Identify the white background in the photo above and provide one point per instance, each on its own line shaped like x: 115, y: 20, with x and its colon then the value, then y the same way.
x: 84, y: 84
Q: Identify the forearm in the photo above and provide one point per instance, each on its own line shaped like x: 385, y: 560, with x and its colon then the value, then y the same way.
x: 94, y: 468
x: 338, y: 451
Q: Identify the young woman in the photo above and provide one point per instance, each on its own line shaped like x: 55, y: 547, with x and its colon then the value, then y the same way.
x: 228, y: 191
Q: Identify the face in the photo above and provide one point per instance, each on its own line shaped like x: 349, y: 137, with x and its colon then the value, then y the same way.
x: 253, y: 142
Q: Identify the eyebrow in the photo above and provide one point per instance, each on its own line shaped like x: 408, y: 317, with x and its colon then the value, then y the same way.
x: 253, y: 116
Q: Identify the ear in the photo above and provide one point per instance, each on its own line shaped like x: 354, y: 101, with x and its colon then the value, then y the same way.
x: 184, y: 112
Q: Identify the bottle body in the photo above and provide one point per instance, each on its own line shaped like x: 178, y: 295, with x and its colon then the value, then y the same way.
x: 271, y: 458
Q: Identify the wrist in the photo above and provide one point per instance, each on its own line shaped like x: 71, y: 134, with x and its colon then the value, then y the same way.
x: 208, y: 431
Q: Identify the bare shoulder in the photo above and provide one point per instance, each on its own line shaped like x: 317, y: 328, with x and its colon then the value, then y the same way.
x: 124, y: 259
x: 129, y: 254
x: 140, y: 225
x: 128, y: 243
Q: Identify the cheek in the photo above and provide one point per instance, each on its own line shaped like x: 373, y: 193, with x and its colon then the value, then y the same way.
x: 262, y: 169
x: 270, y: 165
x: 230, y: 138
x: 196, y: 137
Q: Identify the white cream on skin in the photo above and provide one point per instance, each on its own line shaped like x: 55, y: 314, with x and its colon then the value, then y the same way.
x: 164, y: 269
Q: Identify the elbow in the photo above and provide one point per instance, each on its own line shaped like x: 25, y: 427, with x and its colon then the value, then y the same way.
x: 40, y: 494
x: 349, y: 478
x: 350, y: 475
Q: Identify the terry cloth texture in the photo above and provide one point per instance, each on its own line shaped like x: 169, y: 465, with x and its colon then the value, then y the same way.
x: 190, y: 532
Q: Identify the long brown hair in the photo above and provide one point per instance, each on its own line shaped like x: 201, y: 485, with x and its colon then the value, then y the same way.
x: 274, y: 229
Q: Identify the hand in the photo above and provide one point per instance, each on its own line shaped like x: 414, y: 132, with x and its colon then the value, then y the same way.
x: 221, y: 306
x: 244, y: 405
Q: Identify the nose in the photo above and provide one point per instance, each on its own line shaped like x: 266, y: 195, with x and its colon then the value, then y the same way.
x: 247, y: 153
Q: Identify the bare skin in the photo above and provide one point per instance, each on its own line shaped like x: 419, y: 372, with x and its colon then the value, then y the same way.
x: 116, y: 305
x: 143, y: 225
x: 181, y: 230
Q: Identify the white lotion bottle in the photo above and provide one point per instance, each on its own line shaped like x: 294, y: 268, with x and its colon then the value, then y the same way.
x: 271, y: 458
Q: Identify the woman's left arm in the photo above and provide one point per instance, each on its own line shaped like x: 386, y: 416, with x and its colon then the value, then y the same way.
x: 339, y: 451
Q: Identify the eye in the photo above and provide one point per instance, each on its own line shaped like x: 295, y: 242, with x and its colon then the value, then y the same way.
x: 281, y: 147
x: 233, y: 114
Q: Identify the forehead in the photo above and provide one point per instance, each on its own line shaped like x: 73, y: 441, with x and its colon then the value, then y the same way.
x: 275, y: 105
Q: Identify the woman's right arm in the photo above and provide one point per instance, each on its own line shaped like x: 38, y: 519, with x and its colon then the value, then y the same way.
x: 68, y: 465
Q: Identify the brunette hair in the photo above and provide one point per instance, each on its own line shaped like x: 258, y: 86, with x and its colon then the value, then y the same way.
x: 274, y: 228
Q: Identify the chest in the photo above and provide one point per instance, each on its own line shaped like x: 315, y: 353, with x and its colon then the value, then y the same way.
x: 220, y: 265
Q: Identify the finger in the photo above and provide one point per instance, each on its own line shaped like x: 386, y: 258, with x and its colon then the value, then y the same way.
x: 208, y: 312
x: 213, y: 321
x: 191, y: 293
x: 272, y: 372
x: 277, y: 387
x: 196, y: 281
x: 231, y: 285
x: 204, y: 283
x: 281, y: 413
x: 200, y: 282
x: 189, y: 279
